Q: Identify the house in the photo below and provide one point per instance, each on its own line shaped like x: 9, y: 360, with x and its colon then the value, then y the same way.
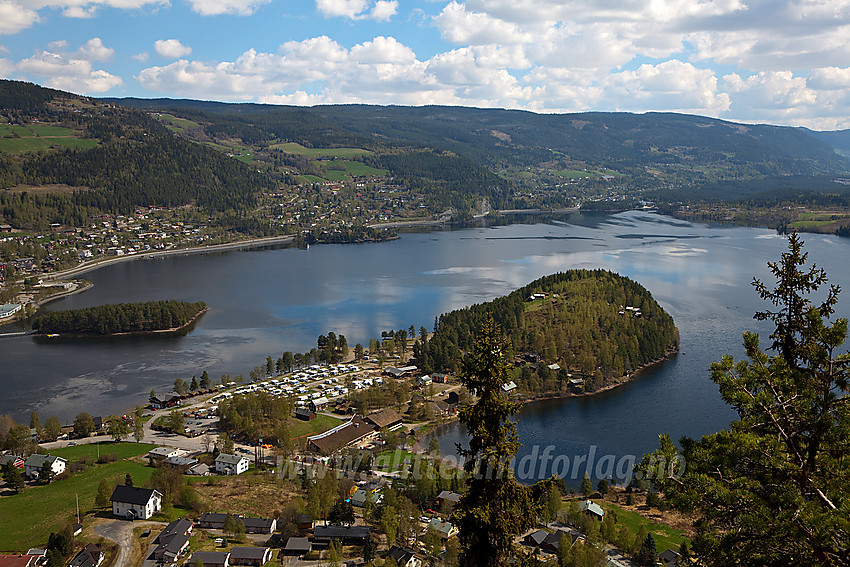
x: 360, y: 497
x: 340, y: 436
x: 387, y: 418
x: 259, y: 525
x: 212, y: 521
x: 231, y: 464
x: 255, y: 556
x: 181, y: 462
x: 89, y: 556
x: 161, y: 453
x: 172, y: 541
x: 440, y: 378
x: 444, y: 529
x: 448, y: 496
x: 304, y: 521
x: 14, y: 460
x: 348, y: 535
x: 305, y: 414
x: 404, y: 557
x: 201, y: 469
x: 425, y: 380
x: 210, y: 558
x: 35, y: 463
x: 509, y: 387
x: 591, y: 509
x: 670, y: 558
x: 394, y: 372
x: 297, y: 546
x: 535, y: 538
x: 135, y: 503
x: 318, y: 404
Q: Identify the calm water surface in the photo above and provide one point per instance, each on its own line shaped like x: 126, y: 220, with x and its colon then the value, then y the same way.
x: 267, y: 301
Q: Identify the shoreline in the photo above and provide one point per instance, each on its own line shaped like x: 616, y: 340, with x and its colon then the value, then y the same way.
x: 627, y: 379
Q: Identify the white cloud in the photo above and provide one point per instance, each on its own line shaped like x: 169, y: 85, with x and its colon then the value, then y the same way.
x: 140, y: 57
x: 171, y: 48
x: 381, y: 10
x: 830, y: 78
x: 67, y: 73
x: 14, y: 17
x: 219, y: 7
x: 462, y: 26
x: 88, y: 8
x: 94, y: 50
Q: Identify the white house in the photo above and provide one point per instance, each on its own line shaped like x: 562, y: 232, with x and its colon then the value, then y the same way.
x: 135, y: 503
x: 35, y: 463
x: 231, y: 464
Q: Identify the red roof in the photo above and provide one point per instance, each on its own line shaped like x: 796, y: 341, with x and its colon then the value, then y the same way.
x: 18, y: 560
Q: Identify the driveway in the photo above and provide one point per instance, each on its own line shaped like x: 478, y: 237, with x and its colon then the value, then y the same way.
x: 121, y: 532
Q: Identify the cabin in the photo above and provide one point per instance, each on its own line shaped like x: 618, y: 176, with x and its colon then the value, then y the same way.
x: 167, y: 400
x: 591, y: 509
x: 340, y: 436
x: 444, y: 529
x: 135, y: 503
x: 387, y: 418
x: 255, y: 556
x: 210, y: 558
x: 347, y: 535
x: 448, y: 496
x: 305, y: 414
x: 173, y: 541
x: 297, y: 546
x: 258, y: 525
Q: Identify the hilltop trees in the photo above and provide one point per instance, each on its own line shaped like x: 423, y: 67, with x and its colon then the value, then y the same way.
x: 772, y: 489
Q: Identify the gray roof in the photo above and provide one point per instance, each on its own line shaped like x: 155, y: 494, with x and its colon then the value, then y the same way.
x: 38, y: 461
x: 209, y: 557
x: 298, y: 544
x: 449, y: 495
x: 229, y: 459
x: 249, y: 552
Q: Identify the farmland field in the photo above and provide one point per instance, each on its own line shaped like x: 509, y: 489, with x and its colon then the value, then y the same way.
x: 293, y: 148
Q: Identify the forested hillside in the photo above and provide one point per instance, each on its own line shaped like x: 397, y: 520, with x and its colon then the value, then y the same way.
x: 596, y: 324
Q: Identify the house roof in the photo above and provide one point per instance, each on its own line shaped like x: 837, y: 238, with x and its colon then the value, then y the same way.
x: 537, y: 536
x: 201, y: 469
x: 182, y: 526
x: 401, y: 555
x: 208, y: 557
x: 444, y: 528
x: 18, y: 560
x: 298, y: 544
x: 17, y: 461
x: 249, y: 553
x: 592, y: 507
x: 257, y: 522
x: 341, y: 532
x: 449, y: 495
x: 162, y: 451
x: 384, y: 418
x: 342, y: 435
x: 669, y: 557
x: 213, y: 518
x: 89, y: 556
x: 133, y: 495
x: 38, y: 461
x: 229, y: 459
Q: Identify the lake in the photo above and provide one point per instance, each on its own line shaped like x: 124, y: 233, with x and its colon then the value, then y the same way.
x: 264, y: 302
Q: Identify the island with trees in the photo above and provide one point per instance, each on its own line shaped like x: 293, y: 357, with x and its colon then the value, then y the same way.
x: 121, y: 318
x: 572, y: 332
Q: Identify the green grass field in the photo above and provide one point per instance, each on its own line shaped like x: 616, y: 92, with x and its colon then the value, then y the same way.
x: 665, y: 536
x: 91, y: 450
x: 26, y: 519
x: 298, y: 428
x: 293, y: 148
x: 576, y: 174
x: 308, y: 179
x: 177, y: 124
x: 39, y: 137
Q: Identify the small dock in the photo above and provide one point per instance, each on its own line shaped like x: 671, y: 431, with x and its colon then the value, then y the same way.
x: 17, y: 334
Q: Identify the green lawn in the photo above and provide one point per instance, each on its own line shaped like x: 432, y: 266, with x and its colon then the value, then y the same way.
x: 26, y: 519
x: 293, y: 148
x: 40, y: 137
x: 21, y: 145
x: 298, y: 428
x: 665, y: 536
x: 91, y: 450
x: 393, y: 460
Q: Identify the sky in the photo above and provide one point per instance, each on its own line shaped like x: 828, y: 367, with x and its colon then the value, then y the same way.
x: 758, y: 61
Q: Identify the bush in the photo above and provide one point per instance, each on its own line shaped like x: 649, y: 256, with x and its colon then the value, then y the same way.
x: 107, y: 458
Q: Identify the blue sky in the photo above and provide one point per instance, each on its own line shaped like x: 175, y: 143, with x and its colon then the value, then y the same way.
x: 773, y: 61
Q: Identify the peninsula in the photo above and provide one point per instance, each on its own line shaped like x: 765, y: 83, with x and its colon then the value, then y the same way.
x: 121, y: 318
